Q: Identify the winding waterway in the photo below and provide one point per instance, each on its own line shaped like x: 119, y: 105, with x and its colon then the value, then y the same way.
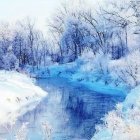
x: 69, y: 112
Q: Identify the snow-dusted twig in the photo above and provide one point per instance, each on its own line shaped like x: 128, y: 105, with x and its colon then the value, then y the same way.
x: 47, y: 130
x: 22, y: 132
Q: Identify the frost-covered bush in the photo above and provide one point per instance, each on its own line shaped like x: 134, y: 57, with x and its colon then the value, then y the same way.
x: 122, y: 123
x: 1, y: 58
x: 127, y: 69
x: 22, y: 132
x: 87, y: 58
x: 46, y: 130
x: 124, y: 71
x: 10, y: 61
x: 97, y: 64
x: 10, y: 127
x: 101, y: 66
x: 119, y: 126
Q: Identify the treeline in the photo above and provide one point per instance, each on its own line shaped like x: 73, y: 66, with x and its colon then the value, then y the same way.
x: 110, y: 32
x: 111, y: 29
x: 22, y: 45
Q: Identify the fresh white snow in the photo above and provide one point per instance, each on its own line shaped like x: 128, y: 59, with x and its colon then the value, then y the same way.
x: 124, y: 122
x: 18, y: 94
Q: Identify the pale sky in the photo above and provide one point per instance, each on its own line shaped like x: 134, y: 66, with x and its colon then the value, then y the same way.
x: 40, y: 10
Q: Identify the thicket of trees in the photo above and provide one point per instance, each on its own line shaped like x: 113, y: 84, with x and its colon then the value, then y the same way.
x: 111, y: 29
x: 22, y: 45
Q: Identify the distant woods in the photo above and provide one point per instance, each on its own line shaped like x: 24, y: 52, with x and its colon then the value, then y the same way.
x: 111, y: 29
x: 24, y: 43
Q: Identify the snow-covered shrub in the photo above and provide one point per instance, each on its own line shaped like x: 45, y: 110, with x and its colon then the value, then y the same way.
x: 122, y: 123
x: 46, y: 130
x: 87, y: 55
x: 116, y: 127
x: 10, y: 61
x: 97, y: 64
x: 10, y: 127
x: 127, y: 69
x: 101, y: 66
x: 87, y: 58
x: 22, y: 132
x: 124, y: 71
x: 1, y: 57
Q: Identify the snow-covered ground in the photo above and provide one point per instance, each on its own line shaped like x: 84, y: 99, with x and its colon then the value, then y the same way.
x: 124, y: 122
x: 18, y: 94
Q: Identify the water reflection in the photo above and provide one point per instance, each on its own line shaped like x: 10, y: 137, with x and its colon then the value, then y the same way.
x: 70, y: 112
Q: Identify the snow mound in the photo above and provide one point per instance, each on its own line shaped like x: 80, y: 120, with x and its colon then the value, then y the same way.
x: 18, y: 94
x: 124, y: 122
x: 133, y: 99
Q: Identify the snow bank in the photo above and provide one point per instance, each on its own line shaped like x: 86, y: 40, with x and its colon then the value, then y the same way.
x: 18, y: 94
x: 124, y: 122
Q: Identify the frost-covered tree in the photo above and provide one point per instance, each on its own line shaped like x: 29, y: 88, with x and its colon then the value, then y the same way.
x: 5, y: 40
x: 29, y: 44
x: 19, y: 48
x: 10, y: 62
x: 72, y: 40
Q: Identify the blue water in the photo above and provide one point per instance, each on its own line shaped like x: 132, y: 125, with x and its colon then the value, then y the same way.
x: 70, y: 111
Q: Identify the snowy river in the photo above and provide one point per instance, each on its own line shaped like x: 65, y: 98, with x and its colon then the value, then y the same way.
x: 69, y: 112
